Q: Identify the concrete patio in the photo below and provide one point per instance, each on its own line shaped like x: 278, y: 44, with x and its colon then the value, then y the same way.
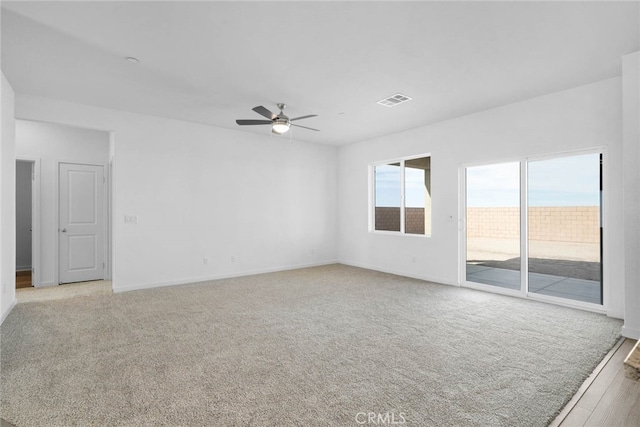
x: 545, y: 284
x: 559, y: 269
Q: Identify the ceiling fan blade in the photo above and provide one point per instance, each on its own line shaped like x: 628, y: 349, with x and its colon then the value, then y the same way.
x: 304, y: 117
x: 253, y: 122
x: 304, y: 127
x: 264, y: 112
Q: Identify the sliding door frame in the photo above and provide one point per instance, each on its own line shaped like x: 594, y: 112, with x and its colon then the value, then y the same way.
x: 524, y: 219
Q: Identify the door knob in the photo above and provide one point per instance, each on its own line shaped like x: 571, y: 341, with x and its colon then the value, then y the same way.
x: 64, y: 230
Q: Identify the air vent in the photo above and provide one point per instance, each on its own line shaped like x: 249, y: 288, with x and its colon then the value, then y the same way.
x: 394, y: 100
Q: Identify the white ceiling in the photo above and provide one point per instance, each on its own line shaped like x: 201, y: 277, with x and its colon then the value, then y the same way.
x: 211, y: 62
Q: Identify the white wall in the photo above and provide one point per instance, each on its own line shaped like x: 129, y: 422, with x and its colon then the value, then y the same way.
x: 580, y: 118
x: 203, y: 192
x: 52, y: 144
x: 7, y: 201
x: 631, y: 144
x: 23, y: 215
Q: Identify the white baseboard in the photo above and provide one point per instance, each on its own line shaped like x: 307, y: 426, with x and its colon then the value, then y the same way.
x: 437, y: 280
x: 45, y: 284
x: 23, y: 268
x: 615, y: 315
x: 633, y: 333
x: 185, y: 281
x: 6, y: 313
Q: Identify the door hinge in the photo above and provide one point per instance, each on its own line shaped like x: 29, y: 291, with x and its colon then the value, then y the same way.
x: 103, y: 265
x: 33, y: 176
x: 104, y: 180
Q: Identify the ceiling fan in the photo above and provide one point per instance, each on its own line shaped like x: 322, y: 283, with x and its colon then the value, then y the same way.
x: 280, y: 123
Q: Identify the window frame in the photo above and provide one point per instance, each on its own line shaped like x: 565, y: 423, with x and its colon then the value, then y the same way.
x: 372, y: 195
x: 605, y: 222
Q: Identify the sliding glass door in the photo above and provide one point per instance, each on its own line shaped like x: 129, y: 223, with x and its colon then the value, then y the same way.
x: 564, y: 222
x: 559, y: 221
x: 493, y: 225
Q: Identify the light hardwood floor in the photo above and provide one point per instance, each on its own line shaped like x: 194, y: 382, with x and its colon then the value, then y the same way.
x: 607, y: 398
x: 23, y: 279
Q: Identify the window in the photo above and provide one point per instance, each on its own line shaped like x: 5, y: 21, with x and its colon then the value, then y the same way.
x: 402, y: 196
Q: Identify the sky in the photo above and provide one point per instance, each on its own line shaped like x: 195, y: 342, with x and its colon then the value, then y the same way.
x: 388, y: 188
x: 562, y: 181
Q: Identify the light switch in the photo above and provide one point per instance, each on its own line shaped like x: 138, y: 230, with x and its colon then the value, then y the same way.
x: 131, y: 219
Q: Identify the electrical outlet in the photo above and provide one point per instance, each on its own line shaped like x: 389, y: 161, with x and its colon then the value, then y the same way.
x: 233, y: 258
x: 205, y: 261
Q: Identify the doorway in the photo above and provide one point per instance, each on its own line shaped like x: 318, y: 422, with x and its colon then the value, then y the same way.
x: 49, y: 145
x: 27, y: 225
x: 534, y: 227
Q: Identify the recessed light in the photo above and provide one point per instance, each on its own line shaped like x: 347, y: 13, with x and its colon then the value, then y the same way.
x: 132, y: 59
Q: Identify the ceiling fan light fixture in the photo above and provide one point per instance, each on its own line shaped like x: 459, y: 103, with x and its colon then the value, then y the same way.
x: 280, y: 126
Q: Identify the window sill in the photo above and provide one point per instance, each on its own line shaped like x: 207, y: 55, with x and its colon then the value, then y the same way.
x: 397, y: 233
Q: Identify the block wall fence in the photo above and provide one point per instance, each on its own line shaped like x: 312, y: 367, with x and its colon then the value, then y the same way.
x: 389, y: 219
x: 579, y: 224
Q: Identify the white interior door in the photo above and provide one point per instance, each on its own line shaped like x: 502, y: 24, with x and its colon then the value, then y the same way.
x: 81, y: 225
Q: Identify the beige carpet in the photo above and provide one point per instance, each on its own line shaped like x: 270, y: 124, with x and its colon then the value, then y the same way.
x: 310, y: 347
